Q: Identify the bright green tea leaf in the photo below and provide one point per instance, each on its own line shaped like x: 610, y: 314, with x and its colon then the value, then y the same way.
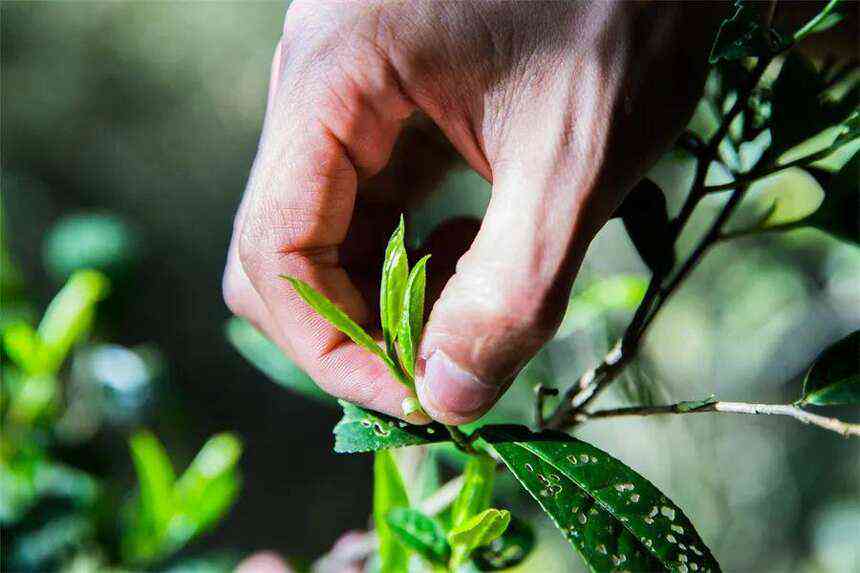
x: 477, y: 531
x: 412, y: 315
x: 395, y: 273
x: 477, y: 491
x: 613, y: 517
x: 70, y: 315
x: 339, y: 319
x: 344, y: 323
x: 270, y: 360
x: 507, y: 551
x: 362, y: 431
x: 421, y: 533
x: 155, y: 480
x: 835, y: 375
x: 388, y: 494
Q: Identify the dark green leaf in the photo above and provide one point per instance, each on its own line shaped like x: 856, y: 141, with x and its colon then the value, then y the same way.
x: 477, y: 531
x: 646, y: 220
x: 614, y: 518
x: 838, y: 214
x: 799, y: 108
x: 395, y: 272
x: 388, y: 494
x: 269, y: 359
x: 412, y: 315
x: 741, y: 35
x: 420, y: 533
x: 835, y: 375
x: 507, y: 551
x: 362, y: 431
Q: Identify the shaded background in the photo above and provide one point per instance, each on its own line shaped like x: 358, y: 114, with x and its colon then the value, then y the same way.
x: 152, y: 111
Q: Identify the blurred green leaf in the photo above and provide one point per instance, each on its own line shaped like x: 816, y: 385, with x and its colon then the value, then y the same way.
x: 412, y: 315
x: 97, y: 241
x: 615, y: 293
x: 506, y: 551
x: 419, y: 533
x: 613, y: 517
x: 395, y: 272
x: 477, y: 531
x: 646, y: 220
x: 388, y: 494
x: 477, y: 492
x: 835, y: 375
x: 824, y: 20
x: 207, y: 489
x: 155, y: 478
x: 44, y: 548
x: 70, y: 315
x: 22, y: 346
x: 362, y: 431
x: 785, y: 197
x: 269, y: 359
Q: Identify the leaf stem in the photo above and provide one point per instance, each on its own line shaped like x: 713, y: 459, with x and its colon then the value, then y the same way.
x: 461, y: 440
x: 834, y: 425
x: 809, y: 27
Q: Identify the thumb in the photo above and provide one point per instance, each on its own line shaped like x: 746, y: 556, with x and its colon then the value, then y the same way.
x: 506, y: 298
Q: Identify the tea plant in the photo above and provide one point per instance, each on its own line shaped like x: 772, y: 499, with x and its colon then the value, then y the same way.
x: 772, y: 119
x: 57, y: 516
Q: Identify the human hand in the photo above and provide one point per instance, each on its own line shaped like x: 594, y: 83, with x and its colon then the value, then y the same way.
x: 562, y: 106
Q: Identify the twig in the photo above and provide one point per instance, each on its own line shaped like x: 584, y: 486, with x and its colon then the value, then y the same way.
x: 752, y: 176
x: 541, y: 392
x: 832, y: 424
x: 594, y: 381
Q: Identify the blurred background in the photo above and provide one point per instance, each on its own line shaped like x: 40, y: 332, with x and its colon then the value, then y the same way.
x: 128, y: 132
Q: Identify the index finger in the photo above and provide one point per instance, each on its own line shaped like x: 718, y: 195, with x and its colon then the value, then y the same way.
x: 321, y: 133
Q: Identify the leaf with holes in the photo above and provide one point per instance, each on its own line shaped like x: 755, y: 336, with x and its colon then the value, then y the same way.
x: 613, y: 517
x: 419, y: 532
x: 412, y: 315
x: 835, y: 376
x: 362, y: 431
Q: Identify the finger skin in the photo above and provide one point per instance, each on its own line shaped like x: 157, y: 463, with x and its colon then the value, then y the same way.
x: 320, y: 135
x: 562, y: 106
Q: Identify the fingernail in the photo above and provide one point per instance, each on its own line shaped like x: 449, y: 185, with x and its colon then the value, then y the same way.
x: 451, y: 389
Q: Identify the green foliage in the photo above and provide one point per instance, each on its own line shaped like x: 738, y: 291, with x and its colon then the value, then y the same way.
x: 91, y: 240
x: 742, y: 35
x: 339, y: 319
x: 479, y: 530
x: 612, y: 516
x: 362, y: 431
x: 508, y: 550
x: 420, y: 533
x: 477, y: 491
x: 412, y: 316
x: 838, y: 214
x: 835, y: 375
x: 167, y: 512
x: 388, y: 494
x: 268, y: 358
x: 395, y: 273
x: 646, y: 220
